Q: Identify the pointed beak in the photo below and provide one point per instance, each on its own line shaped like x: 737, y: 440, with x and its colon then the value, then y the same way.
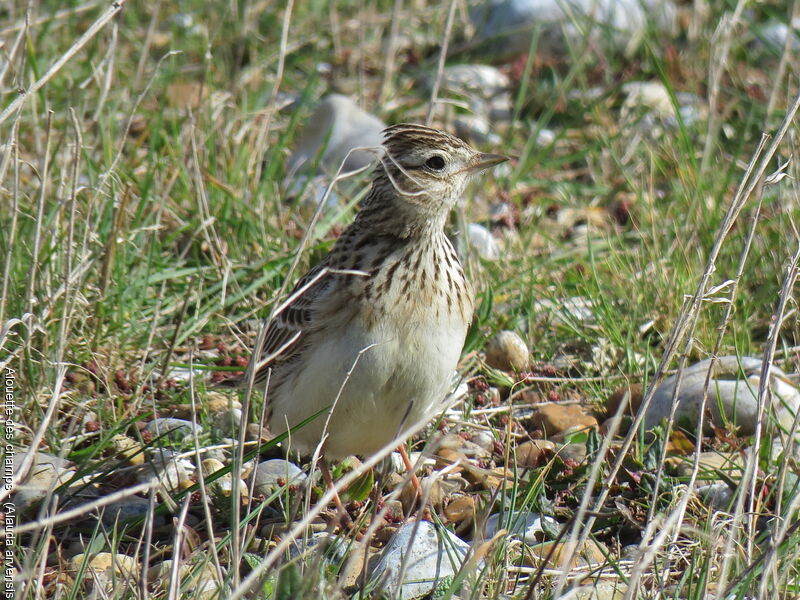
x: 485, y: 161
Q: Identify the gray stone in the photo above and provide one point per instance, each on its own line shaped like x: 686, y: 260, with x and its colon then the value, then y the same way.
x: 507, y: 26
x: 432, y: 557
x: 716, y: 495
x: 171, y: 429
x: 732, y: 395
x: 273, y: 474
x: 345, y: 126
x: 774, y: 35
x: 128, y: 509
x: 531, y: 528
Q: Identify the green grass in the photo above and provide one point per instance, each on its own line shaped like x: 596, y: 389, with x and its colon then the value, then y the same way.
x: 137, y: 232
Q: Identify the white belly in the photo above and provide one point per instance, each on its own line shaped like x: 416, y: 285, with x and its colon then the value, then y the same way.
x: 385, y: 384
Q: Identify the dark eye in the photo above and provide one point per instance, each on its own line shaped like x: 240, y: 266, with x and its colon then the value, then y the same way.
x: 435, y: 163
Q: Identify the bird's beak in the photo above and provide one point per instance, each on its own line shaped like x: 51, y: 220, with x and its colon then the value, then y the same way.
x: 485, y: 161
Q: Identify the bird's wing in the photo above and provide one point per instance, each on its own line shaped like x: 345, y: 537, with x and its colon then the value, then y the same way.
x: 285, y: 332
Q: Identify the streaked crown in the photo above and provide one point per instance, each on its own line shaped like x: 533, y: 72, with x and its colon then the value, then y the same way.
x: 425, y: 164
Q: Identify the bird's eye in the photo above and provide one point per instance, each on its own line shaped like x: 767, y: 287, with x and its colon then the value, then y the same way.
x: 435, y: 163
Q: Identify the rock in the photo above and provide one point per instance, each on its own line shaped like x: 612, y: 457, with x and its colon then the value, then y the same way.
x: 591, y: 554
x: 505, y: 27
x: 128, y: 509
x: 534, y: 453
x: 558, y: 418
x: 602, y: 590
x: 345, y: 126
x: 476, y: 129
x: 431, y: 487
x: 105, y: 570
x: 128, y: 449
x: 172, y: 429
x: 431, y: 556
x: 774, y: 35
x: 654, y: 98
x: 350, y: 575
x: 714, y: 466
x: 224, y: 485
x: 225, y: 413
x: 276, y: 473
x: 572, y: 451
x: 530, y: 527
x: 567, y: 310
x: 172, y: 473
x: 718, y: 496
x: 732, y: 396
x: 483, y: 81
x: 447, y: 457
x: 630, y: 394
x: 484, y: 439
x: 507, y: 351
x: 482, y: 241
x: 195, y: 581
x: 41, y: 482
x: 460, y: 508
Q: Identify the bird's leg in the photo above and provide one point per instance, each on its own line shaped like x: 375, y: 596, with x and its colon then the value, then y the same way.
x: 344, y: 518
x: 425, y: 512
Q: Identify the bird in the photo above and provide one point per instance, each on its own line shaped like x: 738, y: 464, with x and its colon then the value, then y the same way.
x: 373, y: 333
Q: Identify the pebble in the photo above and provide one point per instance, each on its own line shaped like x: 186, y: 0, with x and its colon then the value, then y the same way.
x: 105, y: 570
x: 129, y: 509
x: 718, y: 496
x: 476, y: 129
x: 484, y: 439
x: 431, y: 556
x: 225, y: 414
x: 713, y: 466
x: 567, y: 310
x: 507, y: 351
x: 170, y: 428
x: 530, y: 527
x: 275, y: 473
x: 603, y: 590
x: 534, y: 453
x: 173, y: 473
x: 731, y: 389
x: 345, y: 126
x: 460, y: 508
x: 224, y: 485
x: 572, y: 451
x: 200, y: 583
x: 591, y: 554
x: 557, y: 418
x: 127, y: 448
x: 432, y: 488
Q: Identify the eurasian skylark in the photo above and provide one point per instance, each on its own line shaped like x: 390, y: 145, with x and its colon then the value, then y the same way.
x: 379, y: 324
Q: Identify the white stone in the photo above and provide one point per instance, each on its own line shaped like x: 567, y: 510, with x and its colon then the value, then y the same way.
x: 171, y: 428
x: 274, y: 473
x: 432, y: 557
x: 530, y: 527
